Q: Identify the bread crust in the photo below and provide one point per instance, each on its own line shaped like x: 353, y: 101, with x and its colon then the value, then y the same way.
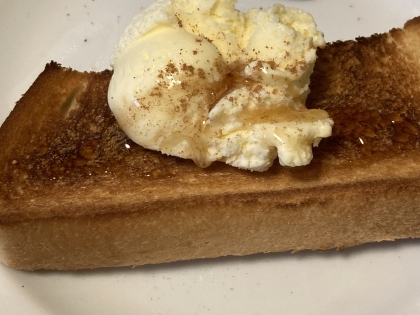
x: 77, y: 193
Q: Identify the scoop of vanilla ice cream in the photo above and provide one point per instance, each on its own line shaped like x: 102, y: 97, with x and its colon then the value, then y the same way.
x: 147, y: 19
x: 200, y: 80
x: 167, y: 93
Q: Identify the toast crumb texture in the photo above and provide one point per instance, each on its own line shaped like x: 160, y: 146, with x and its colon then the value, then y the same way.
x: 76, y: 193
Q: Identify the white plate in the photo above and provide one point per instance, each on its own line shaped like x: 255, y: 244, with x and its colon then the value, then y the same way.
x: 379, y: 278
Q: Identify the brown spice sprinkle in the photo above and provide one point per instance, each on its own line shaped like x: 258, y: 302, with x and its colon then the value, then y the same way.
x: 179, y: 20
x: 171, y: 68
x: 201, y: 73
x: 187, y: 69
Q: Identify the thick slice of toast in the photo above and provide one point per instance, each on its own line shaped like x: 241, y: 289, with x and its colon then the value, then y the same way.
x: 77, y: 193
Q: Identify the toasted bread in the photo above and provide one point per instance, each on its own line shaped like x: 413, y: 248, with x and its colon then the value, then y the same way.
x: 77, y: 193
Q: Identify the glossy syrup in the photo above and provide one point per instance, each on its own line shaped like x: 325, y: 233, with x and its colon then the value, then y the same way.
x: 370, y: 87
x: 363, y: 135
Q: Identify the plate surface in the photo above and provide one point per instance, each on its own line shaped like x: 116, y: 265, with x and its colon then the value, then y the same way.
x: 378, y: 278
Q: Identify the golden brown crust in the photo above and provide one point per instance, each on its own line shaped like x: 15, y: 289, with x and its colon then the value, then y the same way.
x: 79, y: 194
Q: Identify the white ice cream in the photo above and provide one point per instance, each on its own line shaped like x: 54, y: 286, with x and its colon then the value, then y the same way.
x: 200, y: 80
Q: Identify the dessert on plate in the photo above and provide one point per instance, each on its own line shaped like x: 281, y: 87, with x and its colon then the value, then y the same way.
x: 77, y: 192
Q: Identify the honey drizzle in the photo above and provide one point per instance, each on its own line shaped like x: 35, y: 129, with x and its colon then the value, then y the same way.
x: 370, y: 89
x: 364, y: 136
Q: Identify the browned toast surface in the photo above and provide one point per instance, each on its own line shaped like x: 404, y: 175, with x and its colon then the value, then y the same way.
x: 370, y: 88
x: 69, y: 172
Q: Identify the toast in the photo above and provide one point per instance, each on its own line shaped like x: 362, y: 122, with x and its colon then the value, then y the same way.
x: 77, y: 193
